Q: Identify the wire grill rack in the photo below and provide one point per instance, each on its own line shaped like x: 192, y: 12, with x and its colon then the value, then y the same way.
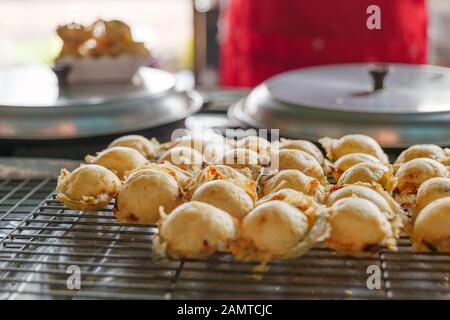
x: 40, y: 240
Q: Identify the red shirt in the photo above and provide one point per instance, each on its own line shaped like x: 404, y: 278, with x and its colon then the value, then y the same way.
x: 261, y: 38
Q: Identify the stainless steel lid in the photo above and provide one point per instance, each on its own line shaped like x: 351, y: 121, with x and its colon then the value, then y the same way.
x: 33, y: 106
x: 399, y: 105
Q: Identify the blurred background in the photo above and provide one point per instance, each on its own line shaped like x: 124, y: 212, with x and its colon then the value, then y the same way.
x: 183, y: 35
x: 27, y: 27
x: 209, y: 55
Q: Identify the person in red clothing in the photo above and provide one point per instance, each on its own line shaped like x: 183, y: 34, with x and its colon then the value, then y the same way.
x: 260, y: 38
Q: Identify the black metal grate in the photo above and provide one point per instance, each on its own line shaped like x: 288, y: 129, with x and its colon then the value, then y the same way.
x: 41, y: 239
x: 18, y: 198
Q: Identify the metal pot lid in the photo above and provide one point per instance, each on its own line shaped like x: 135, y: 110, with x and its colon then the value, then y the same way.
x: 335, y: 100
x: 350, y: 88
x: 94, y: 110
x: 37, y: 86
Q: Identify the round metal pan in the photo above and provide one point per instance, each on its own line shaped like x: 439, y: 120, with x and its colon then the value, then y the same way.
x: 116, y: 119
x: 93, y: 111
x: 344, y: 103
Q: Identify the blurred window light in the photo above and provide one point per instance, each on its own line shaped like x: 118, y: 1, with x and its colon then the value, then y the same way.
x: 27, y: 28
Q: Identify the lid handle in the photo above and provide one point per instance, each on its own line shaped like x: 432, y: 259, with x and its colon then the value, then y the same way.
x: 62, y: 72
x: 379, y: 73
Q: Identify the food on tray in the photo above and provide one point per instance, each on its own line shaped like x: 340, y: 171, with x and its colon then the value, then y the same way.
x: 137, y: 49
x: 363, y: 192
x: 73, y: 36
x: 183, y: 157
x: 148, y: 148
x: 375, y: 194
x: 194, y: 230
x: 112, y: 35
x: 102, y: 52
x: 226, y: 196
x: 215, y: 150
x: 263, y: 213
x: 349, y: 160
x: 302, y: 145
x: 89, y: 187
x: 446, y: 160
x: 182, y: 176
x: 291, y: 179
x: 200, y: 144
x: 211, y: 147
x: 432, y: 227
x: 254, y: 143
x: 354, y: 143
x: 102, y: 38
x: 430, y: 190
x: 300, y: 160
x: 143, y: 193
x: 429, y: 151
x: 358, y: 227
x: 370, y: 172
x: 282, y: 195
x: 197, y: 143
x: 120, y: 160
x: 240, y: 177
x: 238, y: 158
x: 275, y: 228
x: 281, y: 229
x: 413, y: 173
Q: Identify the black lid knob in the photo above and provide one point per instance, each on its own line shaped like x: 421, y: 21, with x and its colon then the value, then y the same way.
x: 62, y: 72
x: 378, y: 73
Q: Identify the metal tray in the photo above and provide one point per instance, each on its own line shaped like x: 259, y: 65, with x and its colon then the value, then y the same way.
x: 40, y: 240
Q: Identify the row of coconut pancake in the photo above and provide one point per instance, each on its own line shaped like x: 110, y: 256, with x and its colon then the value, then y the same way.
x: 226, y: 195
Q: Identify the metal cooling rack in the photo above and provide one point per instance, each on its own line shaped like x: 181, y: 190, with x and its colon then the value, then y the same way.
x: 40, y: 239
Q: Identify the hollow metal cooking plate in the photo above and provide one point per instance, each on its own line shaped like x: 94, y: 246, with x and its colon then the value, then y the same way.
x: 413, y: 107
x: 32, y: 106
